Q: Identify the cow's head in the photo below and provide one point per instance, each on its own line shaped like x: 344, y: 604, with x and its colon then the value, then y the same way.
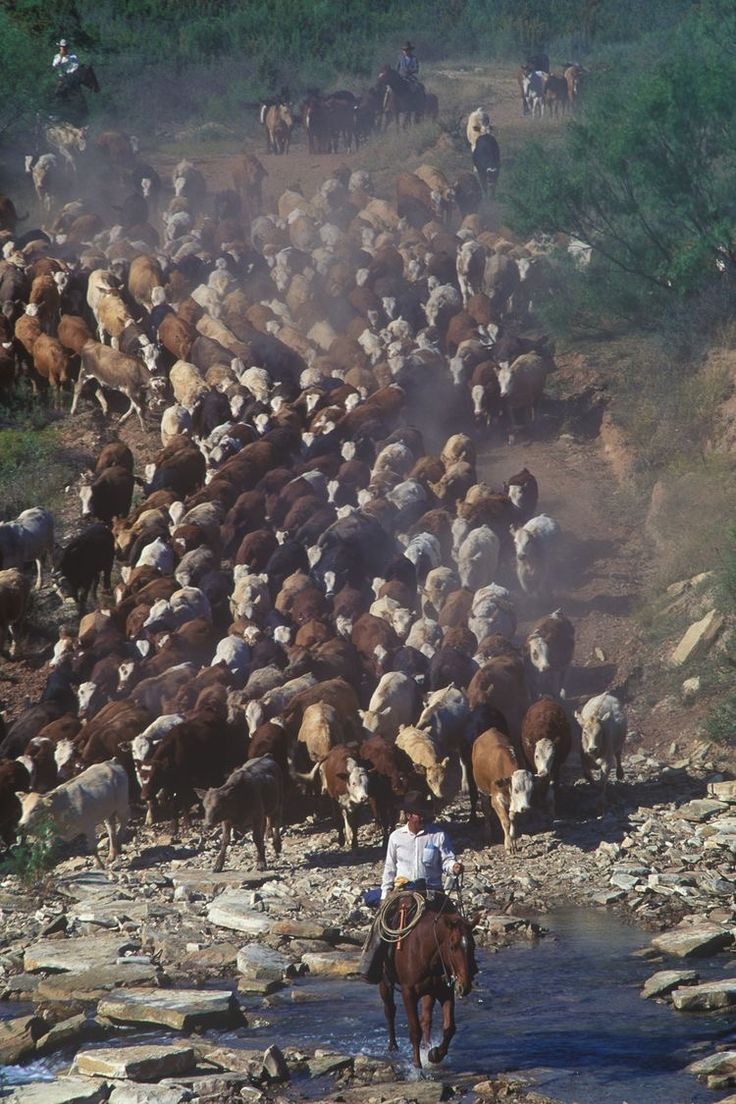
x: 356, y: 780
x: 522, y: 785
x: 544, y: 756
x: 538, y: 649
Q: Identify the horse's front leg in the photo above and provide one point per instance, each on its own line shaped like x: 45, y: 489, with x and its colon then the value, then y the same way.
x: 389, y: 1008
x: 436, y: 1054
x: 425, y: 1016
x: 415, y: 1031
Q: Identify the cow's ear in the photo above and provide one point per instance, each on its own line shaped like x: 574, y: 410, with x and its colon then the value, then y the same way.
x: 342, y: 776
x: 201, y: 794
x: 500, y: 782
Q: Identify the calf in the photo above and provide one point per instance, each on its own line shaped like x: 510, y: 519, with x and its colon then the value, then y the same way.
x: 320, y: 731
x: 87, y: 558
x: 487, y: 162
x: 99, y: 794
x: 477, y: 558
x: 442, y: 771
x: 143, y: 746
x: 603, y: 723
x: 545, y: 741
x: 523, y: 492
x: 14, y: 594
x: 106, y: 494
x: 389, y: 778
x: 346, y: 782
x: 498, y: 774
x: 536, y: 545
x: 29, y: 537
x: 253, y: 796
x: 549, y: 650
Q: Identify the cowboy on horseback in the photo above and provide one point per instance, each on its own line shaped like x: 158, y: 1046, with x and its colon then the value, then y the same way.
x: 64, y: 62
x: 408, y: 68
x: 419, y: 854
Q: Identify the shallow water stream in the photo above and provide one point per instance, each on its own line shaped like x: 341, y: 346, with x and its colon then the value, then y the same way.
x: 565, y: 1012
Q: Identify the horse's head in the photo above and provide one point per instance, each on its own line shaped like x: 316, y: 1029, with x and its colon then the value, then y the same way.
x: 458, y: 952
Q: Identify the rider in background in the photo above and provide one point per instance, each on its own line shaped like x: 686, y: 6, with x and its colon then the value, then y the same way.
x: 408, y: 66
x: 64, y: 62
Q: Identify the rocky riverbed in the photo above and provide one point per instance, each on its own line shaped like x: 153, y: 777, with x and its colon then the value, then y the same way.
x: 93, y: 959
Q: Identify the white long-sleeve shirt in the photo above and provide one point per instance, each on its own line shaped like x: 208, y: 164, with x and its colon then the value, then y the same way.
x: 425, y: 855
x: 67, y: 63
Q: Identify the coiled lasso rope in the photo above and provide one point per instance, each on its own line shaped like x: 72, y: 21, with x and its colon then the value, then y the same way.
x: 395, y: 935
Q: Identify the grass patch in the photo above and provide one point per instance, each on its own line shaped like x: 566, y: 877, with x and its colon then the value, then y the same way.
x: 720, y: 724
x: 33, y: 466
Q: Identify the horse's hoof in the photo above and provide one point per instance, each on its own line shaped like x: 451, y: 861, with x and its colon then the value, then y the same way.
x: 393, y: 1047
x: 434, y: 1055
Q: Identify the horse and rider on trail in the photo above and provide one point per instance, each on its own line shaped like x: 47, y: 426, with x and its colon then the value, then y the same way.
x: 419, y: 939
x: 72, y: 78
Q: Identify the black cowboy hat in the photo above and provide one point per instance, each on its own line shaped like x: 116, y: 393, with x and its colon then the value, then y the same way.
x: 414, y: 802
x: 407, y: 47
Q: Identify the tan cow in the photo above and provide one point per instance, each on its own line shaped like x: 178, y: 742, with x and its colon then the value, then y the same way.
x: 279, y: 123
x: 498, y: 773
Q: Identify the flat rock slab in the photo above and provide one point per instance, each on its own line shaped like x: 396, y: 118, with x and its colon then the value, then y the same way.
x: 396, y: 1092
x: 691, y: 942
x: 69, y: 954
x: 304, y: 929
x: 723, y: 791
x: 700, y: 810
x: 90, y: 985
x: 109, y: 912
x: 708, y: 997
x: 723, y: 1063
x: 329, y: 1063
x: 258, y: 963
x: 133, y: 1093
x: 180, y: 1009
x: 233, y: 909
x: 18, y: 1037
x: 697, y: 638
x: 664, y: 981
x: 332, y: 963
x: 207, y: 881
x: 252, y: 987
x: 87, y: 884
x: 136, y: 1063
x: 65, y: 1090
x: 69, y: 1032
x: 218, y: 956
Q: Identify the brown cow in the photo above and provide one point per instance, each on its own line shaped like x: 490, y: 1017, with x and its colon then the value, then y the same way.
x: 252, y: 797
x: 545, y: 741
x: 498, y: 773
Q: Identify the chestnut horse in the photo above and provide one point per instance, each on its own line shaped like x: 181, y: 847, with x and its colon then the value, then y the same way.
x: 431, y: 963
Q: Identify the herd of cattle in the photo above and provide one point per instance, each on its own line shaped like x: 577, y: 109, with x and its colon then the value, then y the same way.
x: 557, y: 93
x: 316, y: 590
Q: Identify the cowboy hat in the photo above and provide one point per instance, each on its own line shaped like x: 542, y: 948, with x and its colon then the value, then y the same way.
x: 62, y: 42
x: 407, y: 47
x: 415, y: 802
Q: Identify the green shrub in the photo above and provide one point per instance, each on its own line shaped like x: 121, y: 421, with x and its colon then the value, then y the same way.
x: 32, y: 858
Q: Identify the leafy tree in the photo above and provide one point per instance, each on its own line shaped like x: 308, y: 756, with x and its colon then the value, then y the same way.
x: 647, y: 172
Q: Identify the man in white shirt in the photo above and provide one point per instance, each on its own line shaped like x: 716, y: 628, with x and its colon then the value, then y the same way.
x: 418, y: 851
x: 65, y: 62
x: 418, y: 856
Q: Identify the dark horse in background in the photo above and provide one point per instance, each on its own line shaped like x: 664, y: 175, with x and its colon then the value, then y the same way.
x: 402, y: 97
x: 435, y: 960
x: 69, y: 100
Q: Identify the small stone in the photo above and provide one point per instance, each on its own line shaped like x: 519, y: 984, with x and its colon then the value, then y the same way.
x: 691, y: 689
x: 600, y: 655
x: 136, y: 1063
x: 274, y: 1064
x: 723, y: 791
x: 148, y: 1094
x: 664, y: 982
